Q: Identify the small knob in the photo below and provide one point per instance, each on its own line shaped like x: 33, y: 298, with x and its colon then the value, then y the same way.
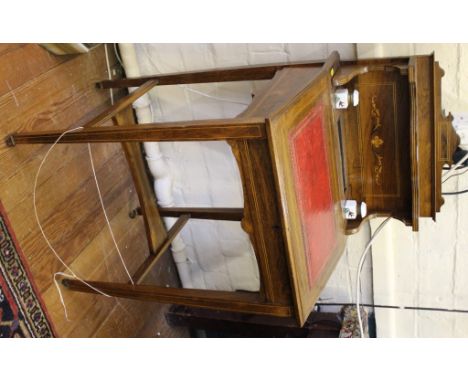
x: 355, y: 97
x: 363, y: 209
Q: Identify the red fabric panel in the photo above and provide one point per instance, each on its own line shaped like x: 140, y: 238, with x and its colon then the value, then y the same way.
x: 313, y: 190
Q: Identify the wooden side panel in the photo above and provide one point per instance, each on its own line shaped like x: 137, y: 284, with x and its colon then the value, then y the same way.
x: 261, y: 218
x: 383, y: 123
x: 445, y: 137
x: 285, y: 85
x: 20, y: 63
x: 423, y: 75
x: 433, y: 137
x: 155, y: 230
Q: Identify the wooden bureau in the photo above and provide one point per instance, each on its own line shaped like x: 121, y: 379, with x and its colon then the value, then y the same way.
x: 300, y: 157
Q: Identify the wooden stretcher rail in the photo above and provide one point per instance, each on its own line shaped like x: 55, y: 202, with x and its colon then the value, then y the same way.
x: 232, y: 214
x: 250, y: 73
x: 255, y: 72
x: 202, y: 130
x: 122, y: 103
x: 151, y: 260
x: 246, y: 302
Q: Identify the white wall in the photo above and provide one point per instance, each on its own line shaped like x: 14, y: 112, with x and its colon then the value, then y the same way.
x: 429, y: 268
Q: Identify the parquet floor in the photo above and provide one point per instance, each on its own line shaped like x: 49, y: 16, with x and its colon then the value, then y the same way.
x: 40, y: 91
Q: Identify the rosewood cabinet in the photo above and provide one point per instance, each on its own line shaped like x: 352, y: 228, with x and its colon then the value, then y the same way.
x: 300, y: 155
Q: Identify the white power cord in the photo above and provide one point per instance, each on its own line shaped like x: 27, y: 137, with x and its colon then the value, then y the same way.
x: 452, y: 169
x: 451, y: 176
x: 445, y: 177
x: 358, y: 277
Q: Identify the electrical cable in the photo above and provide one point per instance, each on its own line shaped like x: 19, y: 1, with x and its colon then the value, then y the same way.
x: 449, y: 167
x: 458, y: 174
x: 453, y: 168
x: 394, y: 307
x: 358, y: 276
x: 117, y: 55
x: 455, y: 193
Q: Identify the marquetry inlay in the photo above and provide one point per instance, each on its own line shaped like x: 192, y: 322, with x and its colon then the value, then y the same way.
x: 376, y: 141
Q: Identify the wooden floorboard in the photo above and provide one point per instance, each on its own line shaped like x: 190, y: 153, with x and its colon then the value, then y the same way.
x: 40, y: 91
x: 20, y: 63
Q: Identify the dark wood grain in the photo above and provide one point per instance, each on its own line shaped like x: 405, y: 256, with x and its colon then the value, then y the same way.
x: 250, y: 73
x: 241, y: 325
x: 384, y: 137
x: 20, y: 63
x: 253, y: 72
x: 262, y: 219
x: 231, y: 301
x: 230, y: 214
x: 347, y: 73
x: 201, y: 130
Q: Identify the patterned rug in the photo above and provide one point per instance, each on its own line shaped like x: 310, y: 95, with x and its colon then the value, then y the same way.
x: 22, y: 312
x: 350, y: 325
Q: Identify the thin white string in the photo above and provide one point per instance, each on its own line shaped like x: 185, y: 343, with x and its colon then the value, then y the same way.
x: 72, y: 273
x: 57, y: 285
x: 94, y: 172
x: 109, y: 74
x: 105, y: 214
x: 42, y: 229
